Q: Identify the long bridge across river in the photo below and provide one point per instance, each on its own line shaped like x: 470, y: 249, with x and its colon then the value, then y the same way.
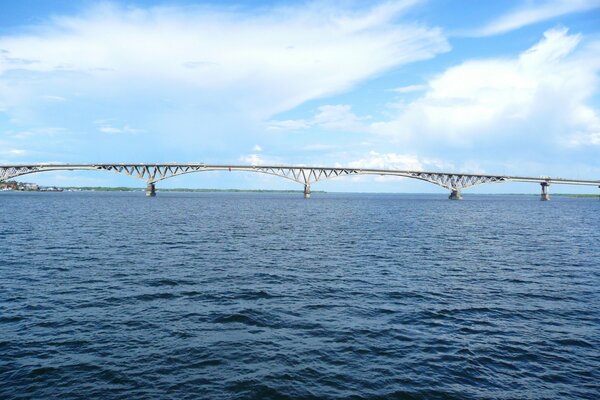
x: 304, y: 175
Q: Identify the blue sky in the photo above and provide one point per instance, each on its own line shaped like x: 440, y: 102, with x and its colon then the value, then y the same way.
x: 507, y: 87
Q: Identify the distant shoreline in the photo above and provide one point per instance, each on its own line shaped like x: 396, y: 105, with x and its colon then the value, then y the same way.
x: 204, y: 190
x: 130, y: 189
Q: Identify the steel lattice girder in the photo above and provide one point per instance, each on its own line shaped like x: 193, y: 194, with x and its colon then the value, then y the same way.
x: 302, y: 174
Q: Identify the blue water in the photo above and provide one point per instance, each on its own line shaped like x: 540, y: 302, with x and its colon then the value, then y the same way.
x: 270, y: 296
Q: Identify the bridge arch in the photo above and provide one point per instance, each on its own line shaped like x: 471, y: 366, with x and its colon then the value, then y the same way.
x: 304, y: 175
x: 153, y: 173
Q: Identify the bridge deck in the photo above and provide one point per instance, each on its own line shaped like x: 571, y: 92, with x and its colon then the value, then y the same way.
x: 305, y: 175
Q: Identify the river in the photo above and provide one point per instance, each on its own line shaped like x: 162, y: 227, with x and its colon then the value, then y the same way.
x: 270, y: 296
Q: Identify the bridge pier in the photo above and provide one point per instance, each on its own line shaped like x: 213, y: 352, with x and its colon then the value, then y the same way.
x: 455, y: 195
x: 150, y: 190
x: 545, y: 195
x: 307, y: 190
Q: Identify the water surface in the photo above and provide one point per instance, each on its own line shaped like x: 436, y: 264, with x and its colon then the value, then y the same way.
x: 256, y: 295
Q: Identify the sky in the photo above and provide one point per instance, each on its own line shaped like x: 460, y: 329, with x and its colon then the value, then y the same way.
x: 502, y: 87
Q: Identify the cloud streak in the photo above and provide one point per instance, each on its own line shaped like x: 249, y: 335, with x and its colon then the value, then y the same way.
x: 533, y: 13
x: 329, y: 116
x: 258, y: 64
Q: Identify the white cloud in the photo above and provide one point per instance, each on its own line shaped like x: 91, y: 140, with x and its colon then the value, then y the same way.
x: 34, y: 132
x: 288, y: 125
x: 13, y: 152
x: 541, y: 93
x: 259, y: 64
x: 338, y: 117
x: 108, y: 129
x: 533, y: 12
x: 395, y: 161
x: 54, y: 98
x: 257, y: 148
x: 252, y: 159
x: 331, y: 116
x: 409, y: 89
x: 113, y: 130
x: 376, y: 160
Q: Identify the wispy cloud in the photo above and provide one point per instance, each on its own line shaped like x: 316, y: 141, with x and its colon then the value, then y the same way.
x: 409, y: 89
x: 109, y: 126
x: 259, y: 64
x: 114, y: 130
x: 13, y: 152
x: 252, y: 159
x: 288, y: 125
x: 531, y: 13
x: 375, y: 160
x: 34, y: 133
x: 54, y: 98
x: 330, y: 116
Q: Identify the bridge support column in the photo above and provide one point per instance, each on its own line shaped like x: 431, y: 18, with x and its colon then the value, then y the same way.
x: 150, y: 190
x: 307, y: 190
x: 455, y: 195
x: 545, y: 195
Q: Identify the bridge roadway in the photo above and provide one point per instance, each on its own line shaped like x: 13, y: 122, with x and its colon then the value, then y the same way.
x: 305, y: 175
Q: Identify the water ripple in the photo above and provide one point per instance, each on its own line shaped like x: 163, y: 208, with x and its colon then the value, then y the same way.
x: 267, y: 296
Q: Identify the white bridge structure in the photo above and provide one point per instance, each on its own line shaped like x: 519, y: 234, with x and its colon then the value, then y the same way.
x: 304, y: 175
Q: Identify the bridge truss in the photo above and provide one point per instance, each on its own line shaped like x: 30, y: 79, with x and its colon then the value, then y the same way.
x: 304, y: 175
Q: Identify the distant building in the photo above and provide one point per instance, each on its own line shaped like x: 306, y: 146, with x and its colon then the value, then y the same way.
x: 30, y: 187
x: 22, y: 186
x: 9, y: 185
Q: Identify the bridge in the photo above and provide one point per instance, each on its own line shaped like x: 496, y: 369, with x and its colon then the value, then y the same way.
x: 304, y: 175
